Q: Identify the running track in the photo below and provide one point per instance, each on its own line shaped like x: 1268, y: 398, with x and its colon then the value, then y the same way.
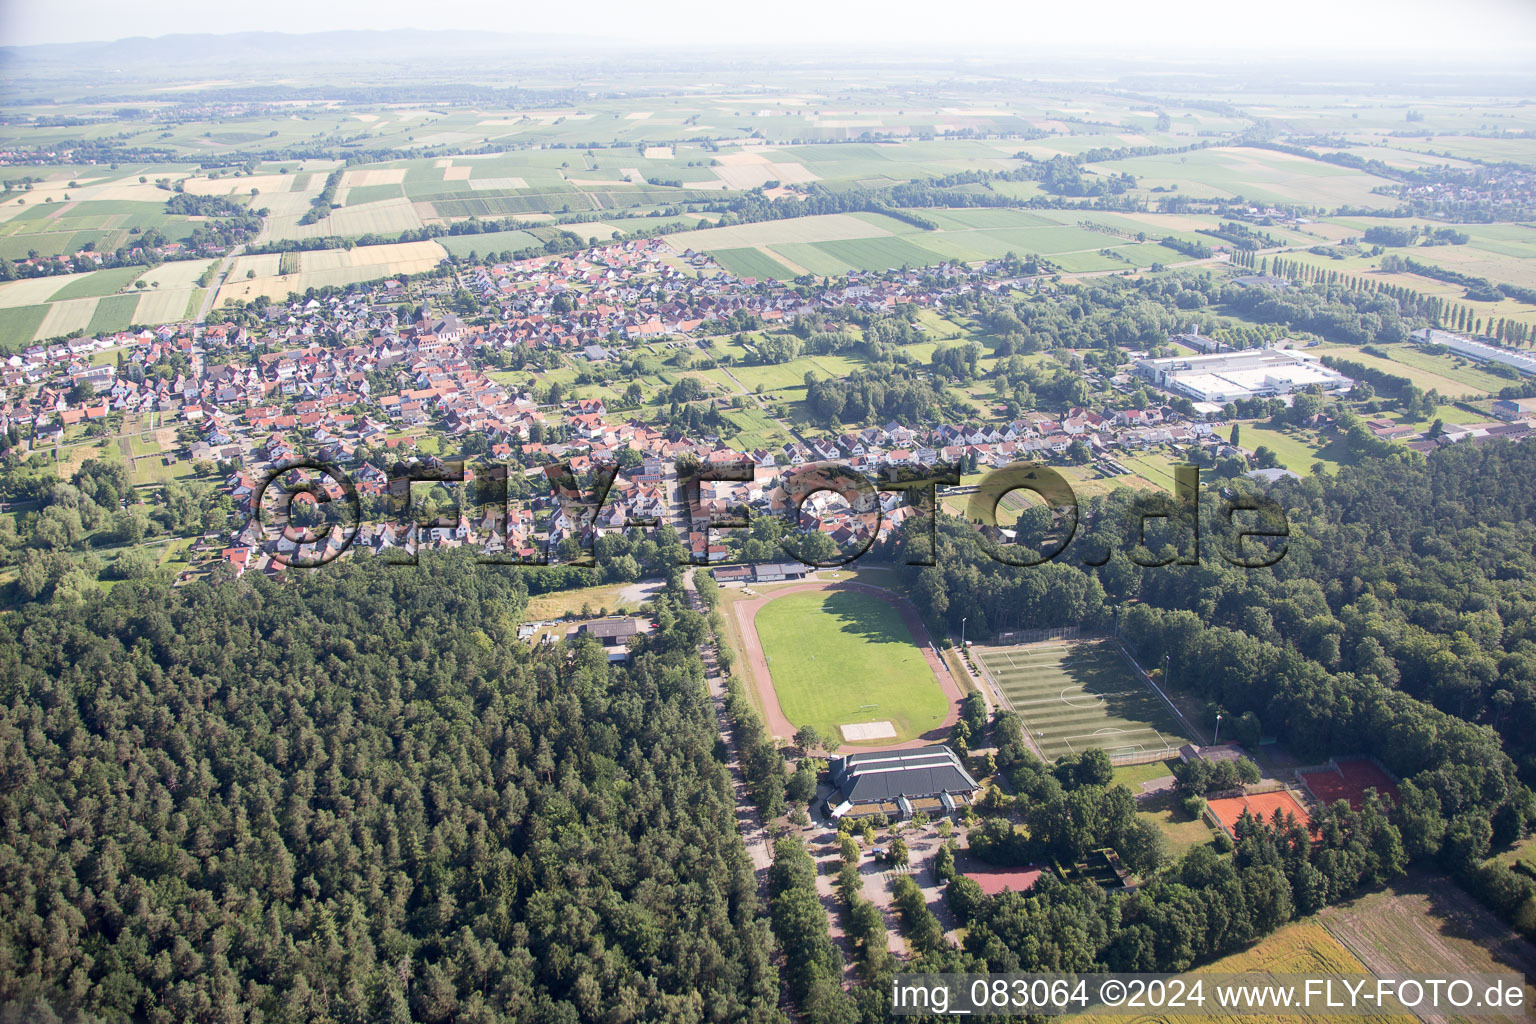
x: 773, y: 714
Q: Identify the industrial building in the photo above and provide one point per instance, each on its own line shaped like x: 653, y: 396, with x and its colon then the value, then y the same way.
x: 1232, y: 376
x: 1476, y: 349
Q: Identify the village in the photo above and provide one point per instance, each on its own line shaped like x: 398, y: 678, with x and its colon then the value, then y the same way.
x: 431, y: 390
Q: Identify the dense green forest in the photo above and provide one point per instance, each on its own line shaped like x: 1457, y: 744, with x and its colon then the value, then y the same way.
x: 356, y: 796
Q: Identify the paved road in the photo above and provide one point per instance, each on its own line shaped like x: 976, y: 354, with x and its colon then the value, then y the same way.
x: 749, y: 822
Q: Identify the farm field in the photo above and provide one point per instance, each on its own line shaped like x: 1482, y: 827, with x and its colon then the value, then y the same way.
x: 837, y: 243
x: 1255, y: 174
x: 1301, y: 947
x: 327, y: 267
x: 1425, y: 918
x: 842, y: 657
x: 1081, y: 694
x: 487, y: 242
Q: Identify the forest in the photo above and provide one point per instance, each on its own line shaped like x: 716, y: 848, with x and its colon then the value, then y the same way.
x: 355, y: 796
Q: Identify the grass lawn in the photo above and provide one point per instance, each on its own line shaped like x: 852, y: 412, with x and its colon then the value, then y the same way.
x: 1132, y: 776
x: 1452, y: 376
x: 559, y: 603
x: 1166, y: 811
x: 1465, y: 372
x: 840, y: 657
x: 1296, y: 451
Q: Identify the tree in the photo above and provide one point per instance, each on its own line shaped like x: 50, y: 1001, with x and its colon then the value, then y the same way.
x: 808, y: 738
x: 802, y: 785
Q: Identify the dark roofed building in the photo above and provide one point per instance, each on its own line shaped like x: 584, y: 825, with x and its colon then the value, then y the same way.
x: 773, y: 572
x: 614, y: 634
x: 899, y: 783
x: 611, y: 631
x: 732, y: 573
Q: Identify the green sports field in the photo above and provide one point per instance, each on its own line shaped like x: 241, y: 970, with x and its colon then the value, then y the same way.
x: 1081, y: 694
x: 840, y: 657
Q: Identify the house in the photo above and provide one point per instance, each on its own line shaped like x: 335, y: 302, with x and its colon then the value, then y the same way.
x: 1515, y: 408
x: 899, y: 783
x: 614, y: 634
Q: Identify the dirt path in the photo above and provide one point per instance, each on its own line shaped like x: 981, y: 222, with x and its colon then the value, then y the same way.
x: 773, y: 714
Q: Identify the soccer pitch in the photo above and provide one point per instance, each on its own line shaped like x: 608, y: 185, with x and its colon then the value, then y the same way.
x: 1081, y: 694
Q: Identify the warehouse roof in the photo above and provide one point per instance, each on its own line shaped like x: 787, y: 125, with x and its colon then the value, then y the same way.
x: 887, y: 775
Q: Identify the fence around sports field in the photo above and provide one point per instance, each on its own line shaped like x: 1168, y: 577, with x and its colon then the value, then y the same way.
x: 1074, y: 693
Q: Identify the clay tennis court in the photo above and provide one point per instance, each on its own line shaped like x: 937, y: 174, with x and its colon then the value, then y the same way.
x: 1227, y: 810
x: 1348, y: 780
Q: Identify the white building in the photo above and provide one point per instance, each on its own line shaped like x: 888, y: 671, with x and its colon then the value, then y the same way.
x: 1230, y: 376
x: 1476, y: 349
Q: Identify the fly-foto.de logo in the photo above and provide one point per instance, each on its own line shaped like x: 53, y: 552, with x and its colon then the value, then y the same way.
x: 1024, y: 514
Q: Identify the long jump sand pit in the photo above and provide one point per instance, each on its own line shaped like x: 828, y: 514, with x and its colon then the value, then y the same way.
x: 863, y: 732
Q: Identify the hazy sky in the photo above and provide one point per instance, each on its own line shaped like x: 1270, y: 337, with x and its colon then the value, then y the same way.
x: 1373, y: 28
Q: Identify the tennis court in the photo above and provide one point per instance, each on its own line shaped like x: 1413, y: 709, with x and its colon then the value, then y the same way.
x: 1081, y: 694
x: 1263, y: 806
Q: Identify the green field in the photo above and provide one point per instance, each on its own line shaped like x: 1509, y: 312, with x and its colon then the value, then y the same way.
x: 841, y: 657
x: 752, y: 262
x: 1296, y: 452
x: 1073, y: 696
x: 489, y: 241
x: 19, y: 323
x: 101, y: 282
x: 113, y: 313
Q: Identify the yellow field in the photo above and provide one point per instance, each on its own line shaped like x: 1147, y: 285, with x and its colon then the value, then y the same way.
x: 179, y: 274
x: 330, y: 267
x: 264, y: 265
x: 496, y: 184
x: 751, y: 168
x: 1425, y: 918
x: 265, y: 183
x: 1304, y: 947
x: 132, y: 191
x: 163, y: 305
x: 64, y: 317
x: 288, y: 204
x: 370, y: 255
x: 389, y: 217
x: 830, y: 228
x: 34, y: 290
x: 376, y: 176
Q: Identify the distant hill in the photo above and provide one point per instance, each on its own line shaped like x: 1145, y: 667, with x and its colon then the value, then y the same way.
x: 266, y: 48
